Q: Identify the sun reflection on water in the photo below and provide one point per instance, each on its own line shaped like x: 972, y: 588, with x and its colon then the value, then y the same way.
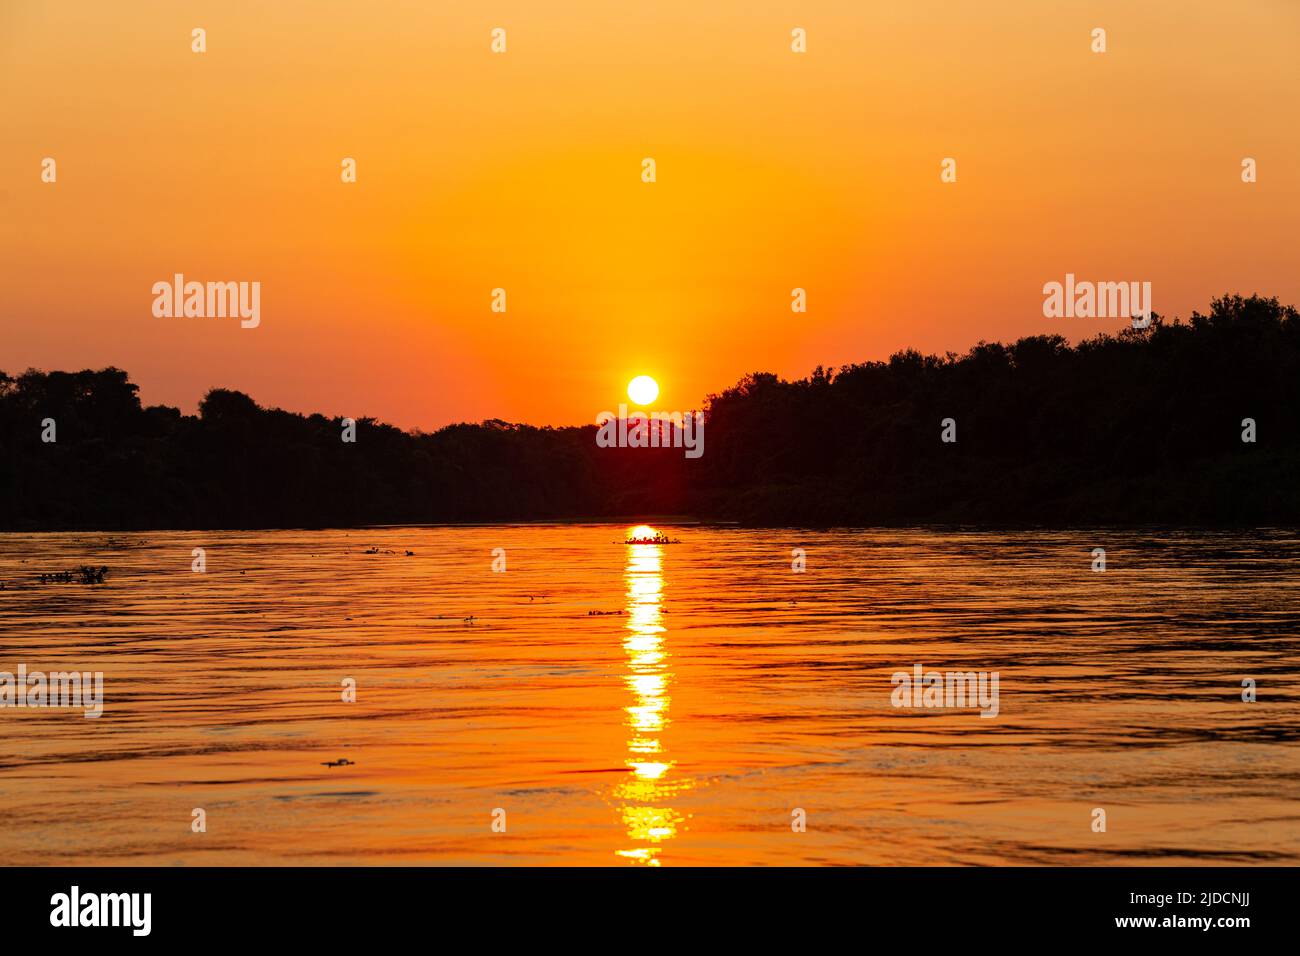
x: 643, y: 797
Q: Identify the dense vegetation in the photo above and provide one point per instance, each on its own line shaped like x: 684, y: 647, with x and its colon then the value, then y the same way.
x: 1143, y: 426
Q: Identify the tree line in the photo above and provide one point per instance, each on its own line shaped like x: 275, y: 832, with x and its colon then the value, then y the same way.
x: 1141, y: 426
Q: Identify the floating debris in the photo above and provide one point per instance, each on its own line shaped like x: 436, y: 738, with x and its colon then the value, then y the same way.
x: 85, y: 574
x: 121, y: 544
x: 91, y: 575
x: 659, y: 538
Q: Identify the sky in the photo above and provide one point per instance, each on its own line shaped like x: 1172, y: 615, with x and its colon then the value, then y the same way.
x: 522, y: 170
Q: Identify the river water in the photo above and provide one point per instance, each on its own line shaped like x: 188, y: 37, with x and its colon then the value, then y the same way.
x: 572, y: 699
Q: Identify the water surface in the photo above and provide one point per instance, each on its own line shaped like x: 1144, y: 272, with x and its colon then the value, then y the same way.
x: 715, y: 692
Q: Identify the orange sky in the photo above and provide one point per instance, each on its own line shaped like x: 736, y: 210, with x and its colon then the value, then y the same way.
x: 522, y: 171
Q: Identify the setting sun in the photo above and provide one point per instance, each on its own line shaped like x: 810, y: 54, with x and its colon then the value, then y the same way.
x: 643, y: 390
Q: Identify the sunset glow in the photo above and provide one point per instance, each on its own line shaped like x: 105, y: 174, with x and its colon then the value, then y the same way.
x: 776, y: 171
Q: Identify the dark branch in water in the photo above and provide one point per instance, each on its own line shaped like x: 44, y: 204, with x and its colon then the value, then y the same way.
x: 84, y: 574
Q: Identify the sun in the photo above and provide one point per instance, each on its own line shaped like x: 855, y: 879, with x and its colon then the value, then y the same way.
x: 643, y: 390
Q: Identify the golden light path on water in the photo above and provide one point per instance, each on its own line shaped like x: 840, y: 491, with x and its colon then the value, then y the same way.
x: 645, y: 796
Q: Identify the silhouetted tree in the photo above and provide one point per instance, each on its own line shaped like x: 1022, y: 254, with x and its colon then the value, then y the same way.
x: 1139, y: 426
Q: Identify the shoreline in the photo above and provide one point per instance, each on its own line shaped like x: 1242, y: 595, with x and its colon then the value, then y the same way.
x: 686, y: 521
